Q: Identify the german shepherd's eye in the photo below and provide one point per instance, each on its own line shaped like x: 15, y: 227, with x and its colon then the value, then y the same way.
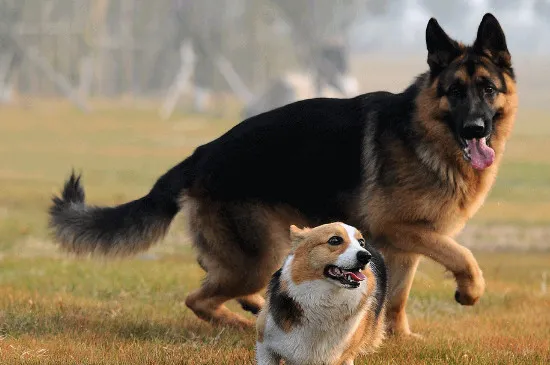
x: 361, y: 242
x: 489, y: 91
x: 335, y: 241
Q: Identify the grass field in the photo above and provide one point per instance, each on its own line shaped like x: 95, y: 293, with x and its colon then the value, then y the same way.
x: 58, y: 310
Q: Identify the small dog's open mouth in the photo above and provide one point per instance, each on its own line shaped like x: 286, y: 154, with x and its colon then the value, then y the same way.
x: 478, y: 152
x: 348, y: 277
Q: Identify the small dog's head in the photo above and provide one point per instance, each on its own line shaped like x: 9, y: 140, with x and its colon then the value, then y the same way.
x: 335, y: 252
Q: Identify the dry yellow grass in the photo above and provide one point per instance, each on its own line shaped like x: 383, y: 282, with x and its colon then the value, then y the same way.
x: 62, y: 311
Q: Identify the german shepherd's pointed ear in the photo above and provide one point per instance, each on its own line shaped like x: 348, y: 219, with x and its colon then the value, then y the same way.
x: 490, y: 40
x: 442, y: 50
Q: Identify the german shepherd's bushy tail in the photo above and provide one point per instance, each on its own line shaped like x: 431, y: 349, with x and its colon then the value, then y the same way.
x: 116, y: 231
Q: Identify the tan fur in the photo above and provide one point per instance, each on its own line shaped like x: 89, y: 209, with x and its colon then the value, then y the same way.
x: 444, y: 104
x: 371, y: 283
x: 252, y: 301
x: 312, y: 253
x: 368, y: 336
x: 461, y: 74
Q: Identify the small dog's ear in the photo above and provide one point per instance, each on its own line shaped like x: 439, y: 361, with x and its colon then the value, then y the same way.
x: 294, y: 230
x: 442, y: 50
x: 297, y: 235
x: 491, y: 40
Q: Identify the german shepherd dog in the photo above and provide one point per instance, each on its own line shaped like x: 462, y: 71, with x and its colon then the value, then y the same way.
x: 408, y: 169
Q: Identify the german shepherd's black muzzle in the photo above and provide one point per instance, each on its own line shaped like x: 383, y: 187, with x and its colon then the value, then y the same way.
x: 475, y: 128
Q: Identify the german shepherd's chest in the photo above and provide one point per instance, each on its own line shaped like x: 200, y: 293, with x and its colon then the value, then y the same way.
x: 416, y: 195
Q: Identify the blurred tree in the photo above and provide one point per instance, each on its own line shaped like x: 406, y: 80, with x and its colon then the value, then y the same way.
x: 132, y: 46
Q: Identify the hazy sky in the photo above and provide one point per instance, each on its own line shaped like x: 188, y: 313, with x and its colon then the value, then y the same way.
x: 525, y: 22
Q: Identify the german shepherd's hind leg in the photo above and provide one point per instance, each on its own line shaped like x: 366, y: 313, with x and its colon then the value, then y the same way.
x: 224, y: 282
x: 240, y: 246
x: 401, y: 268
x: 208, y: 304
x: 252, y: 303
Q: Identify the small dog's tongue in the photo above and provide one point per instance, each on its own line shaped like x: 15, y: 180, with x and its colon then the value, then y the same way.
x: 482, y: 155
x: 356, y: 275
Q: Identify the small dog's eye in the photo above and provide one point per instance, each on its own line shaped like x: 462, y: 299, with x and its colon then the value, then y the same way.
x: 361, y: 242
x: 335, y: 240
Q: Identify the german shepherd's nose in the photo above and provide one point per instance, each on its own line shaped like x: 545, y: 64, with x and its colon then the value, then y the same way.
x: 363, y: 257
x: 474, y: 128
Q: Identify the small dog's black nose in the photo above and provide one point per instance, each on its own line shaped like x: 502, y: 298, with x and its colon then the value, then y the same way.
x: 363, y: 257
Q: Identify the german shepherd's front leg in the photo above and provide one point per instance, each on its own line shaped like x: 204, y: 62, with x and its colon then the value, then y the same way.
x: 401, y: 268
x: 446, y: 251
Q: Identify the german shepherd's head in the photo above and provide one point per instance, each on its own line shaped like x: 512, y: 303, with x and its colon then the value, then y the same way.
x: 470, y: 94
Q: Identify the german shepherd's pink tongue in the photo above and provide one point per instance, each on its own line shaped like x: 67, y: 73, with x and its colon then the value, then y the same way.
x: 482, y: 155
x: 355, y: 275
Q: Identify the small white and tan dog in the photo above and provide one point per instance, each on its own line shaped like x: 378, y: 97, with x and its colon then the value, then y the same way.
x: 326, y: 304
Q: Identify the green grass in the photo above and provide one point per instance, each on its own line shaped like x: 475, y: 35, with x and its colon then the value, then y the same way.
x: 58, y: 310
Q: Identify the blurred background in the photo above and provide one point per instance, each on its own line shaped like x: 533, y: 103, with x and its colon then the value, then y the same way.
x: 122, y: 90
x: 183, y: 51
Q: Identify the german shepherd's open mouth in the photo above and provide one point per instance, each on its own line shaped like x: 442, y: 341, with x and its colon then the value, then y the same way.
x: 351, y: 278
x: 478, y: 152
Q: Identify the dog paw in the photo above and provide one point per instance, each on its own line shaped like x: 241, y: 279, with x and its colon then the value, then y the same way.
x: 401, y: 330
x: 465, y: 299
x: 469, y: 289
x: 407, y: 335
